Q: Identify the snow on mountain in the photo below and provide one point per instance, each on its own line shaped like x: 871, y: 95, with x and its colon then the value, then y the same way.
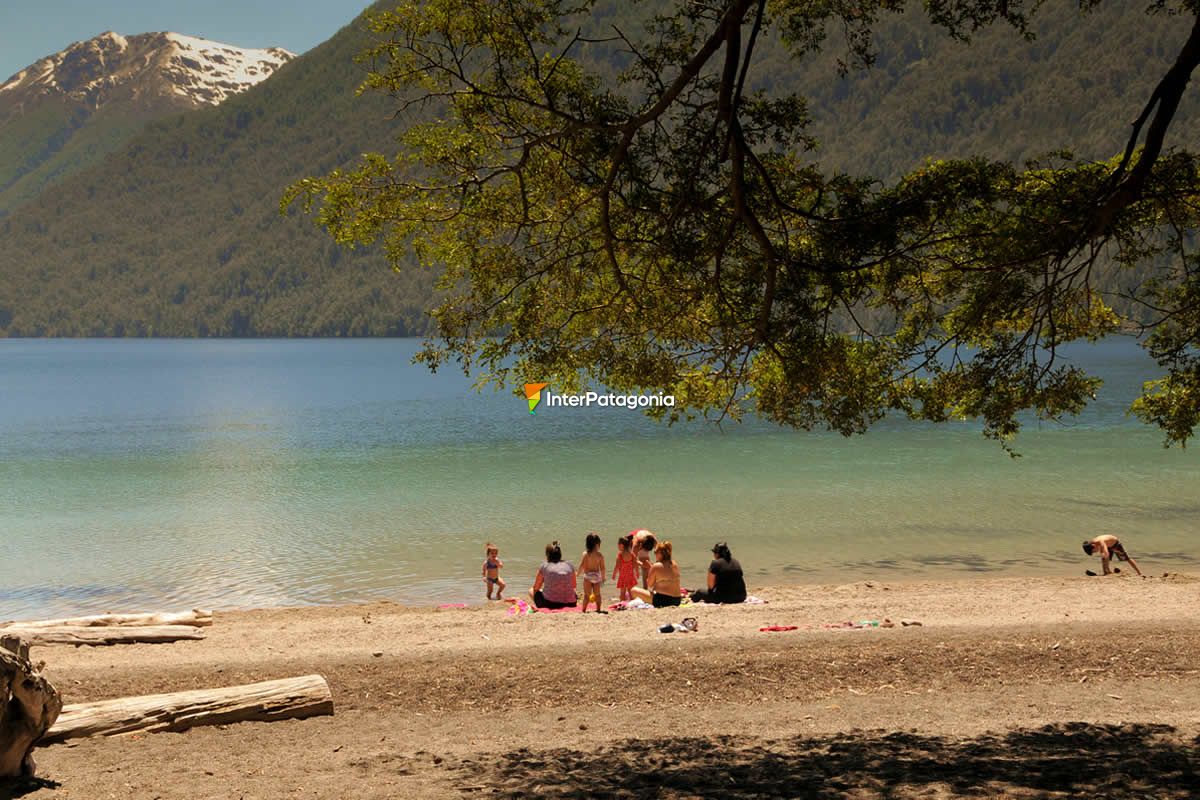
x: 216, y: 71
x: 184, y: 70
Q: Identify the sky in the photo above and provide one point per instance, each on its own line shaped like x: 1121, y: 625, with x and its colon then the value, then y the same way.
x: 33, y: 29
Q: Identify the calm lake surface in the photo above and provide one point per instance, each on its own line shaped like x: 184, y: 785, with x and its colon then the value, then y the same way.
x: 149, y: 474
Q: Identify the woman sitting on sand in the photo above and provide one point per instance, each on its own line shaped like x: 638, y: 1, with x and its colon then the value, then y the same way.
x: 725, y: 581
x: 663, y: 583
x: 554, y: 586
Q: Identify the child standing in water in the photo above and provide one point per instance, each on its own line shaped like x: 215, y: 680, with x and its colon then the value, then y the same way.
x: 591, y: 566
x: 491, y: 570
x: 625, y: 570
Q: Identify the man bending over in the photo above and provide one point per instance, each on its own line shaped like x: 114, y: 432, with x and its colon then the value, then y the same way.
x: 1108, y: 546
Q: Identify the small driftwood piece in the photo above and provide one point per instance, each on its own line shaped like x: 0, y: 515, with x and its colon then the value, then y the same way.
x: 196, y: 618
x: 290, y: 698
x: 64, y: 634
x: 13, y: 643
x: 29, y: 705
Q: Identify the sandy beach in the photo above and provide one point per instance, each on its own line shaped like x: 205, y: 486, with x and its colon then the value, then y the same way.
x: 1010, y: 687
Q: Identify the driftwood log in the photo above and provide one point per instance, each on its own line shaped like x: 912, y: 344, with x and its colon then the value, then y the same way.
x: 195, y: 618
x: 64, y: 634
x: 29, y: 705
x: 290, y: 698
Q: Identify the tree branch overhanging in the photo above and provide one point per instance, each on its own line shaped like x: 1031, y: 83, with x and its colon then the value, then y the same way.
x: 667, y: 231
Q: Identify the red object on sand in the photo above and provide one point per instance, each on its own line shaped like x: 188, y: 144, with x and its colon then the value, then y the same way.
x: 780, y: 628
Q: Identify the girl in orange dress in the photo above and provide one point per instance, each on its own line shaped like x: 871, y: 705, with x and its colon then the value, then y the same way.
x: 625, y: 570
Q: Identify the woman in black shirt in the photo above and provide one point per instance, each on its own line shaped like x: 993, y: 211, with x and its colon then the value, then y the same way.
x: 725, y: 581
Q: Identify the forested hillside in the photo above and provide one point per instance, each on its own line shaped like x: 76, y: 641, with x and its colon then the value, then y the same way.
x: 179, y: 234
x: 56, y: 140
x: 1080, y: 84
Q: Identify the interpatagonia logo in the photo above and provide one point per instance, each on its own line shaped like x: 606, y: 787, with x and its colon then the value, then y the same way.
x: 533, y: 395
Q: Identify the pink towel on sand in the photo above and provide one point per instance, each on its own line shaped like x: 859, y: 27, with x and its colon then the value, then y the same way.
x: 520, y: 607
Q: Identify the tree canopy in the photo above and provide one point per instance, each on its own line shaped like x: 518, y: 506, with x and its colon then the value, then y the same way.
x: 674, y: 229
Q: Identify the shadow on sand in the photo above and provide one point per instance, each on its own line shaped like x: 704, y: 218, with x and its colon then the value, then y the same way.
x: 11, y: 788
x: 1073, y: 760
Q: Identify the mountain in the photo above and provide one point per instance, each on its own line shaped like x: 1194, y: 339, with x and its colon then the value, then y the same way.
x: 67, y: 111
x: 178, y: 232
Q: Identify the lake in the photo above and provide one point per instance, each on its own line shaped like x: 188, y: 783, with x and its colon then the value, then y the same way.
x: 168, y: 474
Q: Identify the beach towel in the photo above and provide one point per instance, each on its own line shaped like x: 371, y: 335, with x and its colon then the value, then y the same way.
x: 750, y: 600
x: 568, y: 610
x: 520, y: 608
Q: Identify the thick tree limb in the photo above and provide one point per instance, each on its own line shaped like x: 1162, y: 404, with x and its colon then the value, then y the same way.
x: 1164, y: 101
x: 730, y: 24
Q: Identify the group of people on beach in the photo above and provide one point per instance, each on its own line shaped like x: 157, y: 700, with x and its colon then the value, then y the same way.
x: 644, y: 569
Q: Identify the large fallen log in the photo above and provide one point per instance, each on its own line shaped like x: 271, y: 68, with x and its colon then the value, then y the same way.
x: 29, y: 705
x: 195, y: 618
x: 290, y: 698
x: 105, y: 636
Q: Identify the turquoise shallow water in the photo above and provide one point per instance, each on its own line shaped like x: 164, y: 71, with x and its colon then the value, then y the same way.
x: 170, y: 474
